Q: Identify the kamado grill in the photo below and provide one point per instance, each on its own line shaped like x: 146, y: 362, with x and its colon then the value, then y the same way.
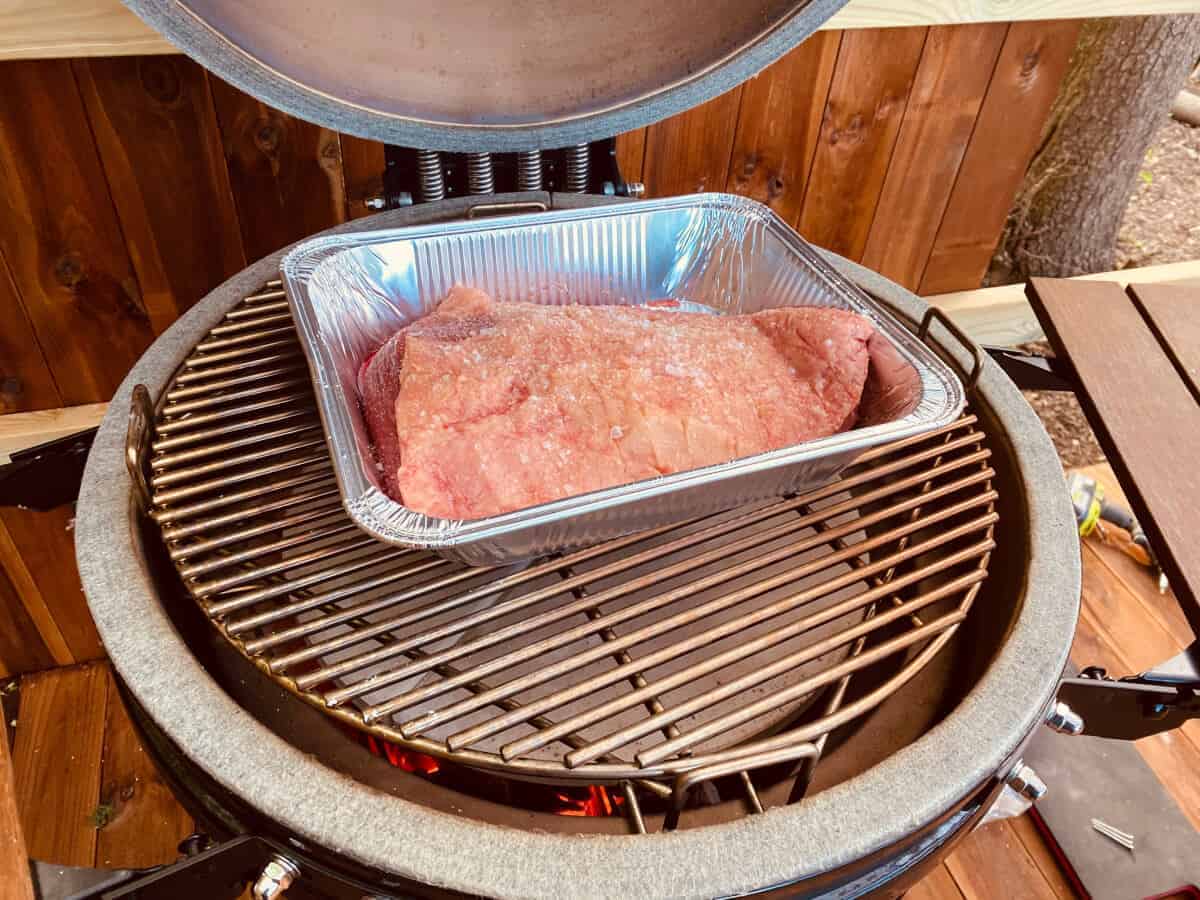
x: 817, y: 694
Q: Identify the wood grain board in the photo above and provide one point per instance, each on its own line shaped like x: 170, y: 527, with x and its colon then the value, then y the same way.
x: 631, y: 153
x: 1031, y: 838
x: 362, y: 169
x: 937, y: 885
x: 31, y: 598
x: 286, y: 174
x: 56, y: 761
x: 1002, y: 315
x: 863, y: 115
x: 1173, y: 314
x: 44, y: 542
x: 19, y: 431
x: 25, y: 379
x: 690, y: 152
x: 994, y: 860
x: 21, y: 647
x: 14, y: 858
x: 948, y: 90
x: 778, y: 126
x: 60, y: 235
x: 154, y: 124
x: 87, y: 793
x: 145, y: 823
x: 31, y: 29
x: 1142, y: 411
x: 1023, y: 86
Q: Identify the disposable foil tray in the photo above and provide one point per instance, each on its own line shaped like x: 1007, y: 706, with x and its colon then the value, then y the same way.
x: 713, y: 252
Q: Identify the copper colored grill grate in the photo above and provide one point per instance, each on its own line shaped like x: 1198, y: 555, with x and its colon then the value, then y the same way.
x: 678, y: 655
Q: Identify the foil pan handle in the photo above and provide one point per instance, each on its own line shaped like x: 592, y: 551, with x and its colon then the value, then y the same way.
x: 137, y: 443
x: 512, y: 207
x: 951, y: 326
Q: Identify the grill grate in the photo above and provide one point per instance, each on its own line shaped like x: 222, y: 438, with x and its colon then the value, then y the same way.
x: 685, y: 653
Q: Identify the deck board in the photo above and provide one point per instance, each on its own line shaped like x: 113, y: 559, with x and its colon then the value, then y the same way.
x: 993, y: 862
x: 146, y: 823
x: 14, y: 870
x: 56, y: 761
x: 937, y: 885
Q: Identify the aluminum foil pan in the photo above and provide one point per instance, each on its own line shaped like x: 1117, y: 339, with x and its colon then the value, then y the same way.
x: 717, y: 252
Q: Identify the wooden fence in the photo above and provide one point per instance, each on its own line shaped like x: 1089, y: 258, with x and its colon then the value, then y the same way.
x: 130, y: 186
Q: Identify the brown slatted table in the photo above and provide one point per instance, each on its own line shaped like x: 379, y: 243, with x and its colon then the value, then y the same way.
x: 1135, y: 355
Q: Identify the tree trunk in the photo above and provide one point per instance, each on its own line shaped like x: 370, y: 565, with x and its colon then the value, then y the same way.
x: 1117, y: 92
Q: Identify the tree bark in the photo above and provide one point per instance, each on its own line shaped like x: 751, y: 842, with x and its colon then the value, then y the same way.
x: 1118, y: 89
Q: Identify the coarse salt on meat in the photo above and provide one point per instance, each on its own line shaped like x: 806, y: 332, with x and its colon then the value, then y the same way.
x: 485, y: 407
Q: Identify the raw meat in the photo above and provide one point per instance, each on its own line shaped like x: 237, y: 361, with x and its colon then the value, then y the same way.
x: 484, y: 407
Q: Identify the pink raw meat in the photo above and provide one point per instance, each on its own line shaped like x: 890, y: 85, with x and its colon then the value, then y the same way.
x: 484, y: 407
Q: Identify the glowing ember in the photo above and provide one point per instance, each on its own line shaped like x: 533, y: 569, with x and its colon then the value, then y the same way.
x: 598, y: 802
x: 417, y: 763
x: 588, y: 800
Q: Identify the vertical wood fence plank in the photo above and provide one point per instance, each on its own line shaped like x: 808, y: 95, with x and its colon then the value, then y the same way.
x: 779, y: 124
x: 631, y: 153
x: 157, y: 134
x: 60, y: 235
x: 1007, y: 132
x: 25, y: 380
x: 286, y: 174
x: 870, y: 88
x: 689, y: 152
x: 362, y: 167
x: 951, y: 81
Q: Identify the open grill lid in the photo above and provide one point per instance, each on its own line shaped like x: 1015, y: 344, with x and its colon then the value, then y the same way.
x: 466, y: 75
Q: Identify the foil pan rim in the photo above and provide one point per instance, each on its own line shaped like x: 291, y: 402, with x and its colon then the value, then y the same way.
x: 483, y: 541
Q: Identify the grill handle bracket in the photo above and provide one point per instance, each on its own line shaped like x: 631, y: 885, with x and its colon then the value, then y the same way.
x: 935, y: 313
x: 137, y: 444
x: 223, y: 871
x: 47, y: 476
x: 1138, y: 706
x: 219, y: 872
x: 1031, y: 372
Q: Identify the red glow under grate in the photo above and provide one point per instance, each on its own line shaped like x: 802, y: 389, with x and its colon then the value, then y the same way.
x: 586, y: 800
x: 417, y: 763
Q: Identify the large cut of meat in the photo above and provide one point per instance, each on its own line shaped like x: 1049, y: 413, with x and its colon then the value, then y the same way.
x: 484, y: 407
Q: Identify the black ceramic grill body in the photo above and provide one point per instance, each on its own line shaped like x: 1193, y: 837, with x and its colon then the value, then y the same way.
x: 249, y: 757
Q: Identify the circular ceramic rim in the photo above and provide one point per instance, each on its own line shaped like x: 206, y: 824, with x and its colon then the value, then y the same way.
x: 833, y: 828
x: 212, y: 51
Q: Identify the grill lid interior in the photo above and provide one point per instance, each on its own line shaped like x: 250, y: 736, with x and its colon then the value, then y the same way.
x: 464, y: 75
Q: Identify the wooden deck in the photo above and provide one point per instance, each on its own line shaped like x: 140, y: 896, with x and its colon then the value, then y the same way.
x: 88, y: 795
